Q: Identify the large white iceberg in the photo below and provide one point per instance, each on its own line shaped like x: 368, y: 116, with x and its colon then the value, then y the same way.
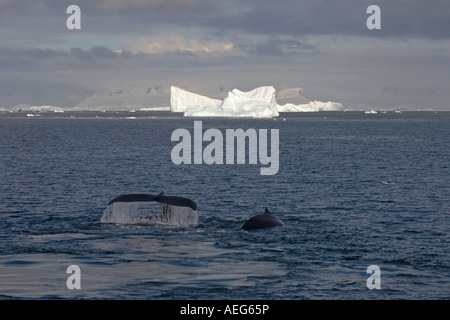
x: 257, y: 103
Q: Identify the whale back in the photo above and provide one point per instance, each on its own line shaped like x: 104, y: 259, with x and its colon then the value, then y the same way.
x: 264, y: 220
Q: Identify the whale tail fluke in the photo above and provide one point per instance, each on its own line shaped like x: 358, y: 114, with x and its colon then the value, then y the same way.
x: 138, y: 208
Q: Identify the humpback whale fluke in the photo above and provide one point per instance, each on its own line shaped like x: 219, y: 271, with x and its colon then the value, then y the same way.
x: 149, y: 208
x: 176, y: 201
x: 263, y: 220
x: 161, y: 198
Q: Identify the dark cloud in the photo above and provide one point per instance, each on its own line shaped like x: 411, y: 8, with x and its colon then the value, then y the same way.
x: 428, y: 19
x: 279, y: 47
x: 36, y: 59
x: 414, y: 18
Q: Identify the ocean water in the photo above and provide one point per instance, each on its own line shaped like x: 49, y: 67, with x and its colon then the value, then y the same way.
x: 353, y: 190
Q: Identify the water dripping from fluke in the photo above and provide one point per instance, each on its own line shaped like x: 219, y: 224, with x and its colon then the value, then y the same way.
x: 151, y: 209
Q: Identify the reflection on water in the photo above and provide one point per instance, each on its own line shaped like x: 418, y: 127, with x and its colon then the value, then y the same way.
x: 126, y: 261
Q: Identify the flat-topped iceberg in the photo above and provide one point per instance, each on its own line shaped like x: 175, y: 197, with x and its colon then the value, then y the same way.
x: 182, y: 100
x: 312, y: 106
x: 257, y: 103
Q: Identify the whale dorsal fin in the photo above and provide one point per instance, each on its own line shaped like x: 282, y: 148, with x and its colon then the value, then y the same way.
x: 161, y: 194
x: 267, y: 211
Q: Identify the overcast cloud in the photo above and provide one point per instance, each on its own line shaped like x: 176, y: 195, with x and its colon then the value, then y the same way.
x: 128, y: 53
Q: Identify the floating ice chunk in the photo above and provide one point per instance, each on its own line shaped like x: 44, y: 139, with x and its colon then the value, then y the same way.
x: 312, y: 106
x: 258, y: 103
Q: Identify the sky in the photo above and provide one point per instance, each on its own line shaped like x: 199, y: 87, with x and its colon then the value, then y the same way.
x: 128, y: 53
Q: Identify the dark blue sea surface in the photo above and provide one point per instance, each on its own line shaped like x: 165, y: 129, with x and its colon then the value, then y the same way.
x: 353, y: 190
